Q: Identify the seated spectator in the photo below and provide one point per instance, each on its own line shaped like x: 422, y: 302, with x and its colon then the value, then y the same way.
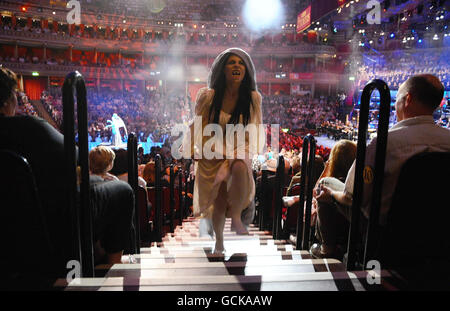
x: 149, y: 174
x: 415, y: 133
x: 43, y: 147
x: 120, y: 167
x: 342, y: 155
x: 318, y: 169
x: 101, y: 161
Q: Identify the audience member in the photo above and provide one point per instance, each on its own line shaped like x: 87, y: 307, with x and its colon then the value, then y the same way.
x: 101, y: 161
x: 415, y: 132
x: 43, y: 146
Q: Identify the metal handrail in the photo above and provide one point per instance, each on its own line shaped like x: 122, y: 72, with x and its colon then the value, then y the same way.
x: 180, y: 194
x: 172, y: 198
x: 158, y: 200
x: 263, y: 203
x: 307, y: 169
x: 186, y: 190
x: 382, y: 132
x: 133, y: 181
x: 82, y: 231
x: 279, y: 184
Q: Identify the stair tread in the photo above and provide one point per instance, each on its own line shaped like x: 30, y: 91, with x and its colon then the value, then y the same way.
x: 205, y: 281
x: 197, y: 252
x: 184, y: 261
x: 255, y: 263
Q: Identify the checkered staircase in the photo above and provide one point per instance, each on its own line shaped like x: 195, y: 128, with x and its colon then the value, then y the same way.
x: 183, y: 261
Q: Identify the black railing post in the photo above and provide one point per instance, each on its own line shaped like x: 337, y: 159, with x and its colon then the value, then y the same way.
x: 81, y: 217
x: 186, y: 189
x: 255, y: 219
x: 158, y: 199
x: 383, y: 125
x: 180, y: 194
x: 133, y: 181
x: 263, y: 203
x: 309, y: 189
x: 307, y: 169
x: 172, y: 198
x: 279, y: 185
x: 373, y: 227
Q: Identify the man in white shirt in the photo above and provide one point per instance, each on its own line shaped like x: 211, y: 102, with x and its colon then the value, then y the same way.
x: 414, y: 133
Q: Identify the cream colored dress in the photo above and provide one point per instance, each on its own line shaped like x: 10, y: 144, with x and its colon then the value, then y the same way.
x: 209, y: 174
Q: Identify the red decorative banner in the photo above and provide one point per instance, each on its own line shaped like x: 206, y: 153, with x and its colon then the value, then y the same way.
x: 304, y: 20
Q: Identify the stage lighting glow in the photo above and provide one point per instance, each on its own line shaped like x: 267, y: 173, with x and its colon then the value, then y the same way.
x: 35, y: 74
x: 392, y: 35
x: 420, y: 41
x: 262, y: 14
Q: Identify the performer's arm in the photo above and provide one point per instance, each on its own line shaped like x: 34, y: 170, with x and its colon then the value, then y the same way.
x: 204, y: 97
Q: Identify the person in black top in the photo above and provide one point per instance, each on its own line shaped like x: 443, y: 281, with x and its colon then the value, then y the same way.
x: 43, y: 147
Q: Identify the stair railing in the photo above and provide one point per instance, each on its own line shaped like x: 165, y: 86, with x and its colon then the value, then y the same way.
x: 81, y: 216
x: 382, y: 132
x: 180, y: 194
x: 158, y: 200
x: 279, y: 185
x: 263, y: 202
x: 186, y: 190
x: 172, y: 198
x: 133, y: 181
x: 306, y: 179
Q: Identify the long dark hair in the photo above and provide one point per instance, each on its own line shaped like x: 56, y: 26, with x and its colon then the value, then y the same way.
x: 243, y: 103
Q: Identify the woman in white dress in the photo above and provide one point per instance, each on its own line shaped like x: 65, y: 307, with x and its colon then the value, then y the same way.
x: 225, y: 187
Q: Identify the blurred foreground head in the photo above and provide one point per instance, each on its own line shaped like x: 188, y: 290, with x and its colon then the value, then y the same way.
x: 8, y: 96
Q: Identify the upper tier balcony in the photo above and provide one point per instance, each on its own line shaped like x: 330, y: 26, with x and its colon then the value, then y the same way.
x: 189, y: 74
x: 158, y: 48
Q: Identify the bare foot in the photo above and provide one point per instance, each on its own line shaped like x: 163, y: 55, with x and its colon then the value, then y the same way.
x: 238, y: 227
x: 219, y: 248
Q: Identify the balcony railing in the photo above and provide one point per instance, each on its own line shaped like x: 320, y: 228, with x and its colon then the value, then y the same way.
x: 159, y: 47
x: 126, y: 73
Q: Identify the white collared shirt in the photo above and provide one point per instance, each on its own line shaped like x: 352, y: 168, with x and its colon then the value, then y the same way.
x: 405, y: 139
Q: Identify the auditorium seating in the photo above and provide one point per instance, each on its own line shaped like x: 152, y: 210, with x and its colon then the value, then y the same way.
x: 23, y: 228
x: 414, y: 241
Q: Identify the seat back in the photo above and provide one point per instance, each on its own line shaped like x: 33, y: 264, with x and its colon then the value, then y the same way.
x: 23, y: 230
x: 415, y: 240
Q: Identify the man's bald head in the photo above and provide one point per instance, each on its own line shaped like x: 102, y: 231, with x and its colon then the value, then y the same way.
x: 425, y: 89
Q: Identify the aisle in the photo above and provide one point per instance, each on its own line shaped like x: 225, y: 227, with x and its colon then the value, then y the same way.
x: 183, y: 261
